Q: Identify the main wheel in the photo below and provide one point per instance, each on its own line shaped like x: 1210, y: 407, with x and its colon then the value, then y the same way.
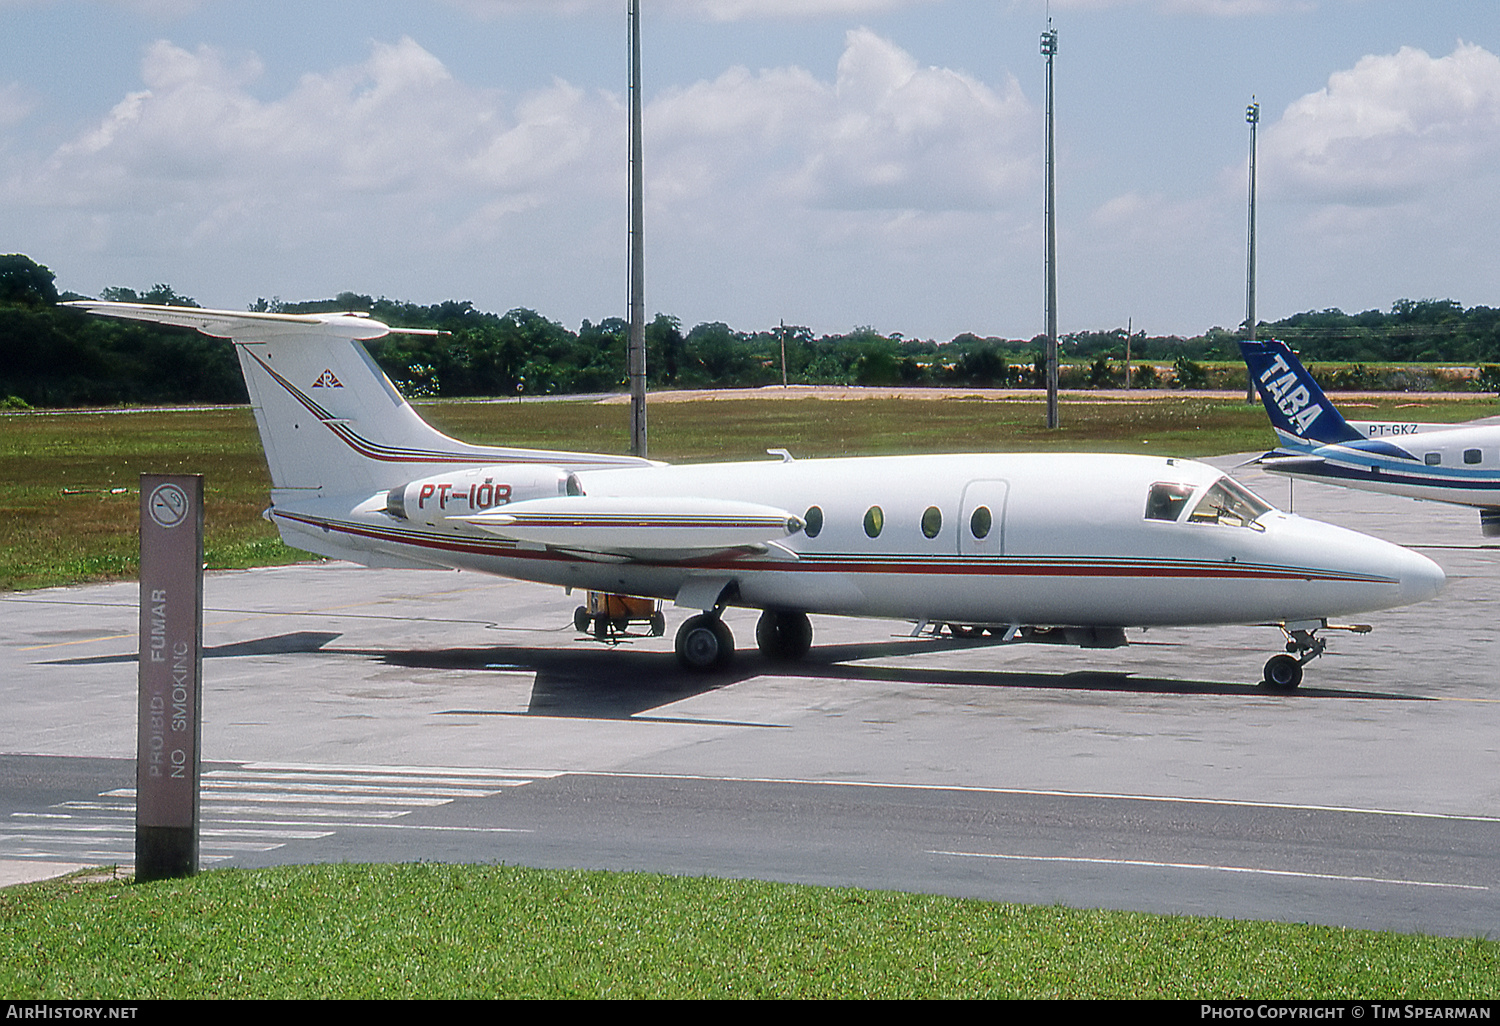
x: 784, y: 637
x: 704, y: 643
x: 1283, y: 673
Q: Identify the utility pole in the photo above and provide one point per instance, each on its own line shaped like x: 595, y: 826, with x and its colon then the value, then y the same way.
x: 637, y: 358
x: 781, y: 333
x: 1252, y: 116
x: 1049, y: 50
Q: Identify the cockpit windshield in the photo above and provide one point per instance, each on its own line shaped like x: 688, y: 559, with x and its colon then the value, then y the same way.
x: 1167, y: 500
x: 1230, y: 503
x: 1225, y: 502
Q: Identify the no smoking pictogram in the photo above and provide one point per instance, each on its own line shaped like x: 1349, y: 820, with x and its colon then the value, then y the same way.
x: 168, y: 505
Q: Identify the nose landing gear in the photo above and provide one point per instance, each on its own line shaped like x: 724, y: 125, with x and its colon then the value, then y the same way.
x: 1284, y: 672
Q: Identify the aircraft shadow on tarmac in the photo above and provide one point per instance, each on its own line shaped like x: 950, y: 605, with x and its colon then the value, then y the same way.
x: 595, y: 683
x: 278, y: 644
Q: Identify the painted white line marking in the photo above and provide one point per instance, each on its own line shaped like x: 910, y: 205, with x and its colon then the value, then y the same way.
x: 299, y: 787
x: 1041, y: 793
x: 291, y: 835
x: 257, y: 814
x: 453, y: 771
x: 366, y: 779
x: 293, y: 798
x: 1216, y: 869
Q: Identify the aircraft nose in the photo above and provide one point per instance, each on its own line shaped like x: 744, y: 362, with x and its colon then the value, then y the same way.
x: 1420, y: 577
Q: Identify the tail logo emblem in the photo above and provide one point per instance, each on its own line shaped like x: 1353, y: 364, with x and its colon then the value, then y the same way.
x: 327, y: 380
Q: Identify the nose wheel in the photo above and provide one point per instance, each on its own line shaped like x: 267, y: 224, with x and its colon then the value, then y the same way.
x: 1284, y: 672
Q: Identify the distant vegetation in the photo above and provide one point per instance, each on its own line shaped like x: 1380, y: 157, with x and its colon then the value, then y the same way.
x: 54, y: 357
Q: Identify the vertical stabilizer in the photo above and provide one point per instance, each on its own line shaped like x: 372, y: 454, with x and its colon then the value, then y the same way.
x: 330, y: 420
x: 1301, y: 414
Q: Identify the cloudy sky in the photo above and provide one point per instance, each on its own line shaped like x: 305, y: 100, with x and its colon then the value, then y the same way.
x: 831, y: 163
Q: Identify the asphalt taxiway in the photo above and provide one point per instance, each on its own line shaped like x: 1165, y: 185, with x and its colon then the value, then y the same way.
x: 355, y: 714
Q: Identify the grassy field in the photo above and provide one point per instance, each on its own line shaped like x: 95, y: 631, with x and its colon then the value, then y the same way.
x: 68, y: 498
x: 353, y: 931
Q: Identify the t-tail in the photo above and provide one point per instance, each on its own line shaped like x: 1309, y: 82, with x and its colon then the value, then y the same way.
x: 1303, y: 417
x: 331, y: 422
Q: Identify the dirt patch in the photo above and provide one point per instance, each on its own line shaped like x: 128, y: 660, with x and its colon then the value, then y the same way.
x: 849, y: 393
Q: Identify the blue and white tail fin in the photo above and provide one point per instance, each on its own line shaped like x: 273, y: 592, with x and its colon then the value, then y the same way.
x: 330, y: 420
x: 1301, y: 414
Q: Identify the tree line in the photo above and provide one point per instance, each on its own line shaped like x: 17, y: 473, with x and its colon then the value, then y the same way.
x: 52, y: 356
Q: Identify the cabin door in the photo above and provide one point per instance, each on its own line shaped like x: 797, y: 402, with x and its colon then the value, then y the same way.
x: 981, y: 521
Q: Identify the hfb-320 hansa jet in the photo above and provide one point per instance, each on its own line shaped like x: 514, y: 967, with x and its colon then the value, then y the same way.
x: 1455, y: 463
x: 1032, y: 547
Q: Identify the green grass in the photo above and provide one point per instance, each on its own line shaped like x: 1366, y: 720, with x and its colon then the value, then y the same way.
x: 69, y: 498
x: 1172, y: 424
x: 462, y: 931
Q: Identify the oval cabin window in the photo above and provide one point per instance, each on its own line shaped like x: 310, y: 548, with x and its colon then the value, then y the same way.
x: 932, y: 521
x: 812, y: 522
x: 874, y: 521
x: 981, y: 522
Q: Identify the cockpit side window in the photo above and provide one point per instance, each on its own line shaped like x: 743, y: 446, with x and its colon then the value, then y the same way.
x: 1167, y: 500
x: 1231, y: 504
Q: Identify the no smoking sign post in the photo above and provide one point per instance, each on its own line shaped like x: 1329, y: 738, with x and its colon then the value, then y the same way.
x: 169, y: 729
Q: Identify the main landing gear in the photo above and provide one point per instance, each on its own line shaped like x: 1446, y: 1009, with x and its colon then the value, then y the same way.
x: 704, y: 642
x: 783, y: 637
x: 1284, y: 672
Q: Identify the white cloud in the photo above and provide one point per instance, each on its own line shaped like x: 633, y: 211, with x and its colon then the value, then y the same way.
x: 159, y: 9
x: 741, y: 10
x: 16, y: 104
x: 885, y: 135
x: 1195, y: 8
x: 710, y: 10
x: 393, y: 175
x: 1383, y: 184
x: 162, y: 9
x: 1393, y: 129
x: 196, y: 144
x: 1151, y: 252
x: 1235, y: 8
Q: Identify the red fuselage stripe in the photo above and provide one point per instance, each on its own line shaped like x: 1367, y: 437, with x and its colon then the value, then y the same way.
x: 1000, y: 566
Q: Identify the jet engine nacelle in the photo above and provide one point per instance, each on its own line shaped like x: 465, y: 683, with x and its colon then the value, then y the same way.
x: 462, y: 493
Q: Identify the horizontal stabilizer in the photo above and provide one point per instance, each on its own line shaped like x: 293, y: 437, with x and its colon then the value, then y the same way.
x: 1289, y: 462
x: 663, y: 527
x: 244, y: 324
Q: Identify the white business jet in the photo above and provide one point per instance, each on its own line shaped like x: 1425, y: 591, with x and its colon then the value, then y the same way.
x: 1455, y: 463
x: 1033, y: 547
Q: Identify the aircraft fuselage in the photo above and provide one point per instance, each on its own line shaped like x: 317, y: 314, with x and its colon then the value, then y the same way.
x: 987, y: 539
